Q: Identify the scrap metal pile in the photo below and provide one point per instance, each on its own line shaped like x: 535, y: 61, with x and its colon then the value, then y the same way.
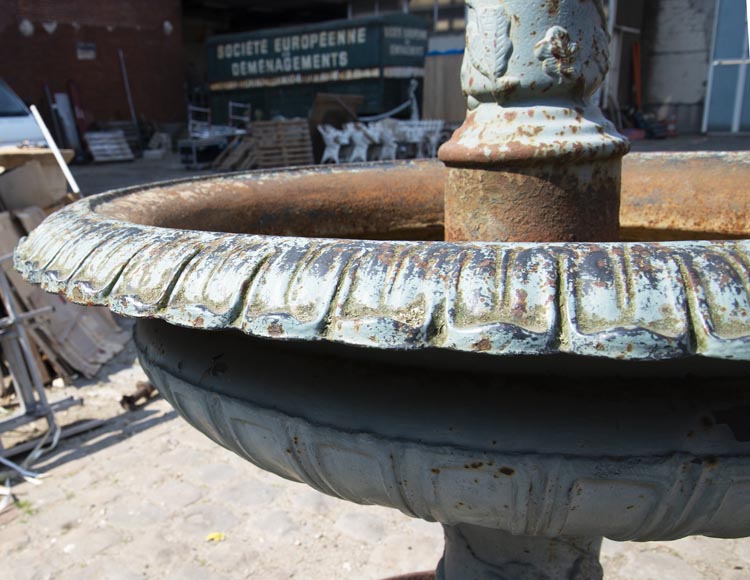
x: 43, y: 337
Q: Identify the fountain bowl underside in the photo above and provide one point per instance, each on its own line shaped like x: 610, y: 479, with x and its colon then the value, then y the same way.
x: 630, y: 458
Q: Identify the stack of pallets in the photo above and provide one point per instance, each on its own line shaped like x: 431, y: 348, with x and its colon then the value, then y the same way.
x: 269, y: 144
x: 282, y: 143
x: 106, y: 146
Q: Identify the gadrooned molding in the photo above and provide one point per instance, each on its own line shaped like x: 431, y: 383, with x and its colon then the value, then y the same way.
x: 636, y: 301
x: 638, y: 497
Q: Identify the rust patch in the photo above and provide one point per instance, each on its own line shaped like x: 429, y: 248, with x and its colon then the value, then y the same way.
x: 684, y: 196
x: 542, y: 203
x: 520, y: 306
x: 275, y: 329
x: 385, y: 201
x: 482, y: 345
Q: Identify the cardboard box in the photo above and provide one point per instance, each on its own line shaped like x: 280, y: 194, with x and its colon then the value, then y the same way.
x: 32, y: 184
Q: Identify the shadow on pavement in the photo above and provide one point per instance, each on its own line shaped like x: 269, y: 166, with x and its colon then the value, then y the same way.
x: 110, y: 433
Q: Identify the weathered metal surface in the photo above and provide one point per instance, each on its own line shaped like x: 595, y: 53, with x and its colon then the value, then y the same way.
x: 533, y: 148
x: 376, y: 201
x: 528, y: 72
x: 618, y: 300
x: 701, y: 195
x: 475, y: 552
x: 510, y: 136
x: 640, y: 458
x: 565, y: 204
x: 526, y: 460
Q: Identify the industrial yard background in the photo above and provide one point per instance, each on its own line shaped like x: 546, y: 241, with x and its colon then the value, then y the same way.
x: 140, y: 493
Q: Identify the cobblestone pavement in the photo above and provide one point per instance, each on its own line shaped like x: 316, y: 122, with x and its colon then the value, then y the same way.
x: 138, y: 497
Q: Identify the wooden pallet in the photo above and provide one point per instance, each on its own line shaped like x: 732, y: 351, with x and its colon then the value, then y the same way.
x: 268, y: 144
x: 108, y: 146
x: 282, y: 143
x: 237, y: 156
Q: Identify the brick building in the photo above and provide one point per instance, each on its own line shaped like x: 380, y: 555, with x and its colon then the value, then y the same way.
x: 692, y: 55
x: 54, y: 42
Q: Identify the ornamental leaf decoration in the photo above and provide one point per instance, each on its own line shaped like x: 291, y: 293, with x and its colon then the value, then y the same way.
x: 600, y: 50
x: 489, y: 46
x: 558, y: 54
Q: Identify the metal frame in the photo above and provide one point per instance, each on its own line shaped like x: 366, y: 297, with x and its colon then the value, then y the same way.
x: 741, y: 77
x: 33, y: 403
x: 195, y: 124
x: 235, y: 113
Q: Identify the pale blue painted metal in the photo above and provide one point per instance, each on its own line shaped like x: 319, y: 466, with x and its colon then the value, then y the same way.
x: 635, y: 301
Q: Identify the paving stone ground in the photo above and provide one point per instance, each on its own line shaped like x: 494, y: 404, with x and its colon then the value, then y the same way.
x: 138, y: 497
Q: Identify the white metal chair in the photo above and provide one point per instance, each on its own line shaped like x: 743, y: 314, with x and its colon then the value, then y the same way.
x: 361, y: 139
x: 333, y: 139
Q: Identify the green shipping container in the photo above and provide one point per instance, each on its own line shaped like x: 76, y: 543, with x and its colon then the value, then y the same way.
x: 279, y: 71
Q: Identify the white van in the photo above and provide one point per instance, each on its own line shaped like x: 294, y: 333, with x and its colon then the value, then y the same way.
x: 17, y: 125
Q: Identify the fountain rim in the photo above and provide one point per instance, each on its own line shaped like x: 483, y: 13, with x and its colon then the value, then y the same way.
x: 619, y: 300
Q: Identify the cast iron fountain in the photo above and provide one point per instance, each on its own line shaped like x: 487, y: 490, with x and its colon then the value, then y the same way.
x: 531, y: 383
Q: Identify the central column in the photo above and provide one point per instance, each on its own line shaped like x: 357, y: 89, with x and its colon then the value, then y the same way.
x: 474, y: 553
x: 535, y: 159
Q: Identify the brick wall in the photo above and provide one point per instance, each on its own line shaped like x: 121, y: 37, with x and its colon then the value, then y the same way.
x: 155, y: 59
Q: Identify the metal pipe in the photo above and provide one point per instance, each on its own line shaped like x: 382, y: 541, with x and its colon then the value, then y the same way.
x: 55, y: 151
x: 128, y: 94
x: 535, y: 159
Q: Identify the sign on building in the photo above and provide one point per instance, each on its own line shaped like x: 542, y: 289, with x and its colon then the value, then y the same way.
x: 389, y: 46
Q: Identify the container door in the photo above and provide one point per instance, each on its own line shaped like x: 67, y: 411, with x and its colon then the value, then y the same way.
x: 728, y: 99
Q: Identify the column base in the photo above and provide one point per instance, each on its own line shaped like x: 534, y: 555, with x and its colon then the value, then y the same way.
x: 475, y: 553
x: 543, y: 202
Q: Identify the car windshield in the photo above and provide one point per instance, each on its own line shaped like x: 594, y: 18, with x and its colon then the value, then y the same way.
x: 10, y: 104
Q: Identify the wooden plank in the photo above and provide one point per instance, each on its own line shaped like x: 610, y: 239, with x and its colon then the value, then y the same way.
x: 240, y: 152
x: 9, y: 236
x: 12, y: 157
x: 231, y: 146
x: 85, y: 338
x: 32, y: 184
x: 29, y: 217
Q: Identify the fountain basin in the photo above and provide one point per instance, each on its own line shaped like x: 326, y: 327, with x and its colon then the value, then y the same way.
x: 628, y: 451
x: 636, y: 301
x: 531, y: 397
x: 533, y: 389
